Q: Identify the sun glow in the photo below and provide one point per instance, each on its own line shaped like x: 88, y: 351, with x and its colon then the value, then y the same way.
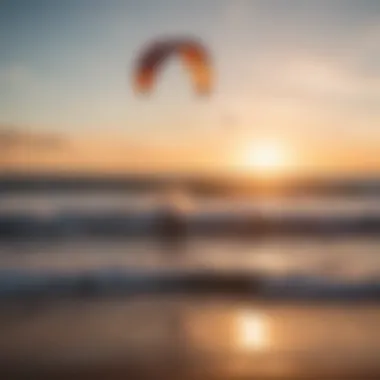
x: 252, y: 331
x: 267, y: 158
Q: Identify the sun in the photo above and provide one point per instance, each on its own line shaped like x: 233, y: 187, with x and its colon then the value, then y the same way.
x: 267, y: 158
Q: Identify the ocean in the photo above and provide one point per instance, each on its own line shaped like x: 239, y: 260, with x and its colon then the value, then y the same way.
x: 87, y: 285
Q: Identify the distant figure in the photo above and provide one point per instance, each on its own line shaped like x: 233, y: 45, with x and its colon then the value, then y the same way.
x: 172, y: 230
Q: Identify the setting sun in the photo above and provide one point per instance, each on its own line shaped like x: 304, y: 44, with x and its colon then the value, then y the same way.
x: 267, y: 157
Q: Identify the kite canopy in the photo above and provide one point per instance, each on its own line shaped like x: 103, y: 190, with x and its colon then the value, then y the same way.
x: 193, y: 55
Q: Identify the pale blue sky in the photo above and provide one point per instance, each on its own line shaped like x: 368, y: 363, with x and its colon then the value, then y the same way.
x: 288, y: 66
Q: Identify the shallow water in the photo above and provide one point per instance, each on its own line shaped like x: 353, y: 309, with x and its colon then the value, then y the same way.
x: 164, y: 334
x: 229, y: 337
x: 350, y: 258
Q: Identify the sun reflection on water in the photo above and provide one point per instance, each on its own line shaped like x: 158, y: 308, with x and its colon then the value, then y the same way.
x: 252, y: 331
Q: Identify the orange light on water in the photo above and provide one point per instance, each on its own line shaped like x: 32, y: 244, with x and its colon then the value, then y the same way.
x: 252, y: 331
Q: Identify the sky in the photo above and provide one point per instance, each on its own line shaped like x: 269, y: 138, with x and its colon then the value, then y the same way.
x: 300, y: 73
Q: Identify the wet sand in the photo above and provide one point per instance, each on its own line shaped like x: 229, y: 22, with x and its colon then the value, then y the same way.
x: 188, y: 337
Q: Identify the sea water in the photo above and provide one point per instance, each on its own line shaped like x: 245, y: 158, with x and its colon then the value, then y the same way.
x: 317, y: 312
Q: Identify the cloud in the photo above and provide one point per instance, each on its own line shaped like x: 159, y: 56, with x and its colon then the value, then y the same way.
x: 12, y: 139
